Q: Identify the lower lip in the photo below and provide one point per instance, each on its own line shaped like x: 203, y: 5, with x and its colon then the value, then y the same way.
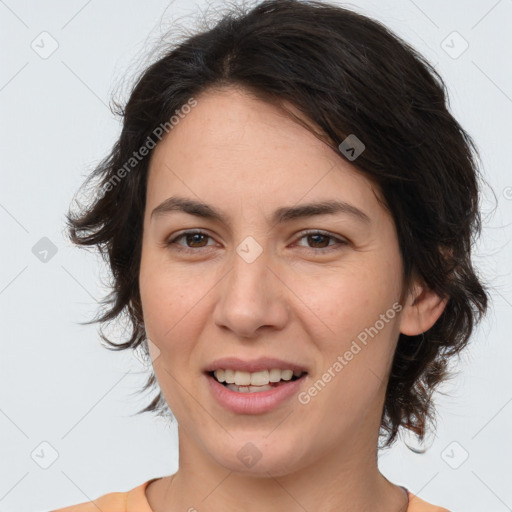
x: 253, y: 403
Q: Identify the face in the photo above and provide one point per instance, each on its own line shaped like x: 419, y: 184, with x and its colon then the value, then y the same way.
x: 267, y: 285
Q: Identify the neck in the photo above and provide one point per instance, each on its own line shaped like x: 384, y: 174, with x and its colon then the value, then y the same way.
x: 344, y: 480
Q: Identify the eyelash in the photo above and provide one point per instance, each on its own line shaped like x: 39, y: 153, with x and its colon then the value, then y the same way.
x: 304, y: 234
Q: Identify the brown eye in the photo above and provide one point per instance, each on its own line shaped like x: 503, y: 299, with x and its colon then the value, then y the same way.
x: 193, y: 240
x: 318, y: 240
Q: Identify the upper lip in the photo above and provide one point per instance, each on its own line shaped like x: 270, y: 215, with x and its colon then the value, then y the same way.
x: 254, y: 365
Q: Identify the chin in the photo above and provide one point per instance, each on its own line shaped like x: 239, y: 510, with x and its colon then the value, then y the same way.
x: 260, y: 454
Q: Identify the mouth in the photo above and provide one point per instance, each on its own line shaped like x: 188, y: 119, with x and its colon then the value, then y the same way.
x: 255, y: 382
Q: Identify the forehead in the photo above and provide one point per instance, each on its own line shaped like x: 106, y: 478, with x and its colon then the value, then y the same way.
x: 234, y: 148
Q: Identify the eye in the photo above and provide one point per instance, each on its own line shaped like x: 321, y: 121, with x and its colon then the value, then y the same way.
x: 319, y: 240
x: 196, y: 240
x: 191, y: 237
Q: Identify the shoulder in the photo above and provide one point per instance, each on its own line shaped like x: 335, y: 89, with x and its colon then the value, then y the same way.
x: 416, y: 504
x: 130, y: 501
x: 106, y: 503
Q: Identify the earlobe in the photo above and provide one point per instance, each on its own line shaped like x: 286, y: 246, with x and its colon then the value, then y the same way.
x: 421, y: 310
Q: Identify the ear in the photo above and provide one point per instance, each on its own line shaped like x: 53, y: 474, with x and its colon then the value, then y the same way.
x: 421, y: 309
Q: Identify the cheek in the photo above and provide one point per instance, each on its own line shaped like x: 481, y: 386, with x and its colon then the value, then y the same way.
x: 355, y: 340
x: 355, y: 353
x: 344, y: 302
x: 172, y: 304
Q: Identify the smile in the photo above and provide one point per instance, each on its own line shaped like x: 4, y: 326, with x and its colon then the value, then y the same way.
x: 254, y: 382
x: 254, y: 399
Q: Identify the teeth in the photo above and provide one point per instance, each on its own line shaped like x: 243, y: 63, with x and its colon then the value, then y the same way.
x: 249, y: 389
x: 275, y: 375
x: 229, y: 376
x: 242, y: 378
x: 261, y: 378
x: 287, y: 374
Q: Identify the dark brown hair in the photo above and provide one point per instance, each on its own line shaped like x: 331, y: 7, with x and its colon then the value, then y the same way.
x: 347, y: 74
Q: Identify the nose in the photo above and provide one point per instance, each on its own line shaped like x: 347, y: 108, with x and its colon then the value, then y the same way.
x: 251, y: 297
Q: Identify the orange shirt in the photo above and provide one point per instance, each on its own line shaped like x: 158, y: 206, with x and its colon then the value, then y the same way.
x: 135, y: 501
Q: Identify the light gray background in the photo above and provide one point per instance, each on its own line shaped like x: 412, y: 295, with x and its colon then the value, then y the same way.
x: 59, y: 386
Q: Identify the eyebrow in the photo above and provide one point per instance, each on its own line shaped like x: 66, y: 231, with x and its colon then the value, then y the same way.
x: 280, y: 216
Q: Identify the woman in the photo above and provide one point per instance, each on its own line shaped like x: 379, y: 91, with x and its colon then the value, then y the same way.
x: 288, y: 215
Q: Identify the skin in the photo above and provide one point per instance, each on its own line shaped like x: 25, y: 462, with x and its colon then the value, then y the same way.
x: 304, y: 299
